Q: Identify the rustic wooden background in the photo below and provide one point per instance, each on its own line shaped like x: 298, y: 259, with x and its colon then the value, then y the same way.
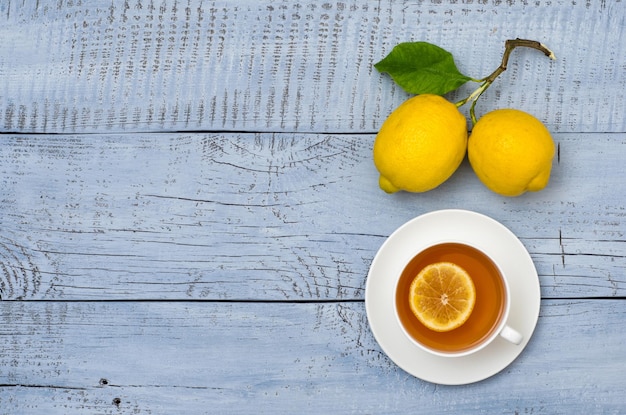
x: 189, y: 208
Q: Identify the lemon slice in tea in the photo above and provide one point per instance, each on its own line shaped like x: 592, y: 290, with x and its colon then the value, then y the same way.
x: 442, y: 296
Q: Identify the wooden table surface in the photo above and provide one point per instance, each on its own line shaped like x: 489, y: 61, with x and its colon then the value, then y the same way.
x: 189, y: 207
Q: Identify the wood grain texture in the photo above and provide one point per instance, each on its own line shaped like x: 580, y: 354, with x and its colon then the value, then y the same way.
x: 271, y: 216
x: 73, y: 67
x: 189, y: 208
x: 163, y: 358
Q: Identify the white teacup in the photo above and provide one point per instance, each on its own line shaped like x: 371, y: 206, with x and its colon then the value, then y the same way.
x: 488, y: 319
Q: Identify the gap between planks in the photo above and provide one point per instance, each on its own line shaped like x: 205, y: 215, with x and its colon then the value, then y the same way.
x: 243, y: 301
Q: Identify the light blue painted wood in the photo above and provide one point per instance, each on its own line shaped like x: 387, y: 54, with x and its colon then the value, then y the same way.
x: 261, y: 201
x: 283, y: 66
x: 284, y: 358
x: 271, y: 216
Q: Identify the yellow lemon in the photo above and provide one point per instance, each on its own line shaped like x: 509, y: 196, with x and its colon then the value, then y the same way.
x: 511, y: 152
x: 442, y: 296
x: 420, y: 144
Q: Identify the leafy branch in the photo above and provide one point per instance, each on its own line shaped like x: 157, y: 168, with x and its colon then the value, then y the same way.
x: 424, y: 68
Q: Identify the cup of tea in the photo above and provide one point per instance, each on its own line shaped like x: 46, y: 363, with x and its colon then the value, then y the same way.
x: 488, y: 319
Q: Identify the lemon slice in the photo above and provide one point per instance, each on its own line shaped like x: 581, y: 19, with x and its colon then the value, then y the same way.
x: 442, y: 296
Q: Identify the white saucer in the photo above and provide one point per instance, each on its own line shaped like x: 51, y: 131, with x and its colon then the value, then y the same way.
x: 489, y: 236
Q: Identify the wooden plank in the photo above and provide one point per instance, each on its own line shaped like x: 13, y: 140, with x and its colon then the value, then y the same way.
x: 201, y: 357
x: 270, y: 216
x: 283, y: 66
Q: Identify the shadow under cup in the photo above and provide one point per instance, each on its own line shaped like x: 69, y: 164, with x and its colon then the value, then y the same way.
x: 489, y: 310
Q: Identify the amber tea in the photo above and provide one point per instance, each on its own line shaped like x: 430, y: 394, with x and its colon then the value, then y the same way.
x: 490, y: 298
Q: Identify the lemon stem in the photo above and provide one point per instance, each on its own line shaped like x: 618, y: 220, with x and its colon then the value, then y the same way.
x: 509, y: 45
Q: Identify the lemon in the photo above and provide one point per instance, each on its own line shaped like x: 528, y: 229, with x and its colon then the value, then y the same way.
x: 511, y: 152
x: 442, y: 296
x: 420, y: 144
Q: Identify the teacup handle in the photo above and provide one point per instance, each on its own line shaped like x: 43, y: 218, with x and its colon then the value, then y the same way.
x: 511, y: 335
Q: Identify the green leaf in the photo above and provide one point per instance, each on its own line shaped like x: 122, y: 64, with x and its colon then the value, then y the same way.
x: 422, y: 68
